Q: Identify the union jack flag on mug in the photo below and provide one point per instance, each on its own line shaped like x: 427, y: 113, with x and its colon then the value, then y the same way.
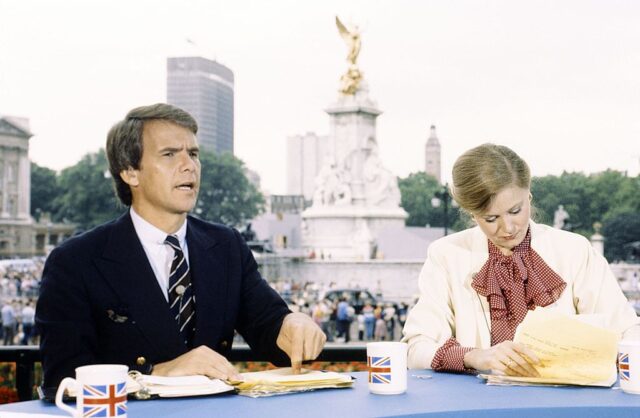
x: 623, y: 365
x: 379, y: 369
x: 104, y: 400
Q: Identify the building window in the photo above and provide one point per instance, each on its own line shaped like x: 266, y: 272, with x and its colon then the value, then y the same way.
x: 12, y: 206
x: 40, y: 242
x: 11, y: 172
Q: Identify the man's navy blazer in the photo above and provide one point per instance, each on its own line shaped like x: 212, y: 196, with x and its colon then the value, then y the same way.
x: 100, y: 301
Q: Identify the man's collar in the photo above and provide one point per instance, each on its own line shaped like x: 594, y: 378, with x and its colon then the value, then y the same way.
x: 151, y: 234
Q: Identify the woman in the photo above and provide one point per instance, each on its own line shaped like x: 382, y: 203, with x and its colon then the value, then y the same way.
x: 477, y: 285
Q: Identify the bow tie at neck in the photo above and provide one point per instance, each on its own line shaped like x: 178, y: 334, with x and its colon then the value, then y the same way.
x: 514, y: 284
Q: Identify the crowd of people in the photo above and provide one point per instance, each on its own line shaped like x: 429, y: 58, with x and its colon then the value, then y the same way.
x: 343, y: 319
x: 374, y: 322
x: 19, y: 286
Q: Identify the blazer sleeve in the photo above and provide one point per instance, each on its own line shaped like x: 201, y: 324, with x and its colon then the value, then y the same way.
x: 63, y: 317
x: 430, y: 322
x: 262, y: 310
x: 596, y: 291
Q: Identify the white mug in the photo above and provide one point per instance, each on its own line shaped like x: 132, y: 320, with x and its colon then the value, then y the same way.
x: 101, y: 390
x: 387, y: 364
x: 629, y: 366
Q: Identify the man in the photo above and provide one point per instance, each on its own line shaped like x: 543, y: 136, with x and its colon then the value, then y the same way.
x: 344, y: 319
x: 156, y: 289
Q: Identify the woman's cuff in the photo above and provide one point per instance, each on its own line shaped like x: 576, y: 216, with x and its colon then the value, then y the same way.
x: 450, y: 358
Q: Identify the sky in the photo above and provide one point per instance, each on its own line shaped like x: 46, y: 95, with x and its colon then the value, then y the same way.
x: 557, y: 81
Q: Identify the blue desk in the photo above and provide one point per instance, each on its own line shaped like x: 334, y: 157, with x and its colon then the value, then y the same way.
x: 445, y: 395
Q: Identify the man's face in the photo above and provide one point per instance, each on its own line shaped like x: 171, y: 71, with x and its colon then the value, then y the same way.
x: 168, y: 179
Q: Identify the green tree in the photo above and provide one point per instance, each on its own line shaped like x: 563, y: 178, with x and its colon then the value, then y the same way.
x: 417, y: 190
x: 569, y: 190
x: 620, y: 232
x: 226, y: 195
x: 587, y: 199
x: 626, y: 197
x: 87, y: 196
x: 44, y: 189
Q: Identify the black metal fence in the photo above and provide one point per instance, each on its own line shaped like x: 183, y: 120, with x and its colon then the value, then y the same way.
x: 26, y: 357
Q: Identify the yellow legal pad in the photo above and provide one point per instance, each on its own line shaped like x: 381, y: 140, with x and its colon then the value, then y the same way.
x: 571, y: 351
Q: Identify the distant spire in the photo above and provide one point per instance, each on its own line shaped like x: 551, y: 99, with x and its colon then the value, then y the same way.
x: 433, y: 137
x: 433, y: 155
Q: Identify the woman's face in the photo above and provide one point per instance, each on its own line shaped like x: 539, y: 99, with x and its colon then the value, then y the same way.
x: 506, y: 220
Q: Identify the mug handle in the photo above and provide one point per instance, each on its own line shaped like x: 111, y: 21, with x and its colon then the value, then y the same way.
x: 67, y: 381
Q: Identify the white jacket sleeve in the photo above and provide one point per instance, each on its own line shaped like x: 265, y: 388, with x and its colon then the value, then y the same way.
x: 430, y: 323
x: 596, y: 291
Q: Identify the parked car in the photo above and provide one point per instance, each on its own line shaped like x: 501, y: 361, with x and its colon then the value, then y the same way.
x: 357, y: 298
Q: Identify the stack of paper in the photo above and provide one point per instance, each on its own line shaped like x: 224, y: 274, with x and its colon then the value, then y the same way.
x: 571, y: 352
x: 144, y: 386
x: 281, y: 381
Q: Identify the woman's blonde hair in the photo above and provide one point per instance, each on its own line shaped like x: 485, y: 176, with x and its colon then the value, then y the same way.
x: 482, y: 172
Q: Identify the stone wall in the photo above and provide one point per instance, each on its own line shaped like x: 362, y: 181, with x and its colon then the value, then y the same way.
x: 397, y: 280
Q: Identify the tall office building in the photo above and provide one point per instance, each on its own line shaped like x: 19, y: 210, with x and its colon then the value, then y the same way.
x: 305, y: 155
x: 432, y: 155
x: 204, y: 88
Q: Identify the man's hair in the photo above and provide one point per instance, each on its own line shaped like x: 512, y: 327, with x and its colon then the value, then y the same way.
x: 124, y: 140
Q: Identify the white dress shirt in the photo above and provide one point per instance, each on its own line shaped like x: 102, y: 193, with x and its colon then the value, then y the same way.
x: 159, y: 254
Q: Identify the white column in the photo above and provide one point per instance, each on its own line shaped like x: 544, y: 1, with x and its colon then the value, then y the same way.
x: 24, y: 185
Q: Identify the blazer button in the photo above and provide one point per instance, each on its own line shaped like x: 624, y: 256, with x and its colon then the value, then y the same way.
x: 141, y: 361
x: 224, y: 344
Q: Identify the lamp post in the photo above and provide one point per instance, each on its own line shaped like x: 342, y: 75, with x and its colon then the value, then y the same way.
x: 442, y: 197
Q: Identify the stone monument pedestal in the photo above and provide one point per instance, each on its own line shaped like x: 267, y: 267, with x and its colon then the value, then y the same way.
x: 355, y: 196
x: 347, y: 233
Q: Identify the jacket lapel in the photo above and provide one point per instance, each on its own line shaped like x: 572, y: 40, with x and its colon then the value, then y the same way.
x: 208, y: 262
x: 479, y: 256
x: 125, y: 266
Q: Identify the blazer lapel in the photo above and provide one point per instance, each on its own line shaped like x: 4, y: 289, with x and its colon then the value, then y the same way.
x: 208, y: 262
x: 125, y: 266
x: 479, y: 256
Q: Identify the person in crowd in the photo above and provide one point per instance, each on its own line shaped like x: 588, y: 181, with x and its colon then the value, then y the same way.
x: 343, y: 319
x: 361, y: 326
x: 8, y: 322
x: 380, y: 333
x: 477, y: 285
x: 28, y: 320
x: 156, y: 289
x: 369, y: 320
x: 320, y: 315
x: 402, y: 313
x: 389, y: 315
x: 333, y: 320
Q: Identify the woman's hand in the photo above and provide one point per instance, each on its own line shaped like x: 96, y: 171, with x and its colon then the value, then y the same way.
x: 508, y: 358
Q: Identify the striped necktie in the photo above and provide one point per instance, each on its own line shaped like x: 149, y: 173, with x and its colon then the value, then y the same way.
x: 181, y: 297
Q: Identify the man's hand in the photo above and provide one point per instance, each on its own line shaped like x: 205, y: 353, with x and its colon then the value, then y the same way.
x: 301, y: 339
x: 201, y: 360
x: 508, y: 358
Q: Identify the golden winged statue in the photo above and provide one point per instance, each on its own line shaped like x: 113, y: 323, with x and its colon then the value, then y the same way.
x: 351, y: 79
x: 352, y: 39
